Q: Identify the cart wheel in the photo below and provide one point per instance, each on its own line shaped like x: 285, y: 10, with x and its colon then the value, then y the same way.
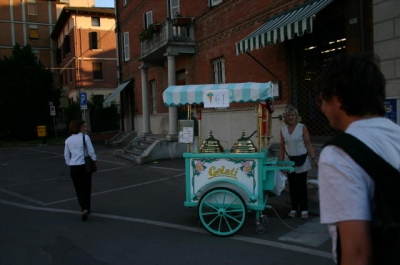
x: 222, y: 212
x: 260, y: 229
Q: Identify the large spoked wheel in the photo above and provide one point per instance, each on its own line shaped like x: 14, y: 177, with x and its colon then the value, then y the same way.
x: 222, y: 212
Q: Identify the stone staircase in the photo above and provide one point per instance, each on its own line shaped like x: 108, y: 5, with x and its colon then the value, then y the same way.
x: 149, y: 148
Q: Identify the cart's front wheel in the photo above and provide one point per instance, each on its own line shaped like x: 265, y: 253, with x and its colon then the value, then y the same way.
x: 222, y: 212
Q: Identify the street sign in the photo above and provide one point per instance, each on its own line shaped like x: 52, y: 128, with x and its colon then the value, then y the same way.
x: 83, y: 100
x: 52, y: 110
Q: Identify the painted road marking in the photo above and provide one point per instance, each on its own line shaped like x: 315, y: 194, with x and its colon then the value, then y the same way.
x: 180, y: 227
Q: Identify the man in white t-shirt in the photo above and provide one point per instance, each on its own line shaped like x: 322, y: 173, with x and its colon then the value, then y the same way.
x: 352, y: 90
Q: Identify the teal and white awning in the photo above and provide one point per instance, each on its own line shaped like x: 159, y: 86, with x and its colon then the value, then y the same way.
x: 115, y: 94
x: 175, y: 96
x: 286, y: 26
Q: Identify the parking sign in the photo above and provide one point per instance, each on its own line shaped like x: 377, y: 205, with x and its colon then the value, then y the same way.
x: 52, y: 110
x: 83, y: 100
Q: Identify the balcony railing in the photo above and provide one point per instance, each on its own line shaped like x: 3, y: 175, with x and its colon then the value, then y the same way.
x: 168, y: 34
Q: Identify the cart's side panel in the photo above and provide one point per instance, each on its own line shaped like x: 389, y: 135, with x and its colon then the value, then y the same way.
x: 238, y: 172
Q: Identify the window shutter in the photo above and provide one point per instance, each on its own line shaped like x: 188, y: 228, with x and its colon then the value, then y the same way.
x: 98, y: 40
x: 148, y: 19
x: 174, y: 7
x: 126, y: 50
x: 33, y: 34
x: 212, y: 3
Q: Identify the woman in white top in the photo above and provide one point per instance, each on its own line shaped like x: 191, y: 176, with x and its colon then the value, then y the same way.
x: 295, y: 141
x: 74, y: 154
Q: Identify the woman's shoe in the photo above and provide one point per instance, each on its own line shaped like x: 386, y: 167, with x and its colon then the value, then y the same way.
x: 292, y: 214
x: 304, y: 215
x: 85, y: 215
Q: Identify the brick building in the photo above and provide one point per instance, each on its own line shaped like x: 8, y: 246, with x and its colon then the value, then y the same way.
x: 86, y: 51
x: 157, y: 48
x: 90, y: 63
x: 28, y: 22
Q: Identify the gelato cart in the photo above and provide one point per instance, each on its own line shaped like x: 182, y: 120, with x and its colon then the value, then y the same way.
x: 225, y: 185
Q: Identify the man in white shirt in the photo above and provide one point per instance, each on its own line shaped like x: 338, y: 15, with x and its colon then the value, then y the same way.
x: 352, y: 90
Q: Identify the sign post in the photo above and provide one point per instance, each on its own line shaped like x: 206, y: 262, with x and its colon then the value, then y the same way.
x: 83, y: 103
x: 83, y: 100
x: 53, y: 113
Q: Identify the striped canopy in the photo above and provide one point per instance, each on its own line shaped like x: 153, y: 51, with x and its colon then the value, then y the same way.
x: 175, y: 96
x: 283, y: 27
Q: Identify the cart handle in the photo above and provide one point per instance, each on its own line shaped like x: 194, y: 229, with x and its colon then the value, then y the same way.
x: 285, y: 162
x: 275, y: 168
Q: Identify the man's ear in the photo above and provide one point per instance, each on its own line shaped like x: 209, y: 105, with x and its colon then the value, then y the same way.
x: 337, y: 101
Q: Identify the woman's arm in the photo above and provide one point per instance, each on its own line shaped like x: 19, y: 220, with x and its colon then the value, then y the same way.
x: 281, y: 147
x: 307, y: 142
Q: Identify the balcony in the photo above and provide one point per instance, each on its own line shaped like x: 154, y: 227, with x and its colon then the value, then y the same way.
x: 170, y: 36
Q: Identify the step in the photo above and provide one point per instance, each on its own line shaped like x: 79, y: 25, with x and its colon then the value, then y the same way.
x: 146, y: 142
x: 133, y: 152
x: 127, y: 157
x: 139, y: 147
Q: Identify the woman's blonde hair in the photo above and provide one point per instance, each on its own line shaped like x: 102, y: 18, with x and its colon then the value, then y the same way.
x: 289, y: 110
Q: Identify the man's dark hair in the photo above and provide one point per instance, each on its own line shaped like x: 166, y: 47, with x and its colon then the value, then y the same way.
x: 357, y: 82
x: 75, y: 126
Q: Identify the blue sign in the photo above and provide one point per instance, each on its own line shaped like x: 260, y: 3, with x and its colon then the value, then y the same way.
x: 83, y: 100
x: 391, y: 109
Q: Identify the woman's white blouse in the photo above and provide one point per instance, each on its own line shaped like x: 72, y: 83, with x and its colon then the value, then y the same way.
x: 74, y: 151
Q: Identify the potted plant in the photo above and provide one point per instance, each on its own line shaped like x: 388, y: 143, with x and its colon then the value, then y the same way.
x: 157, y: 27
x: 143, y: 35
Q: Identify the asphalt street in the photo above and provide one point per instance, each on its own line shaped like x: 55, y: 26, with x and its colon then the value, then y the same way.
x: 137, y: 217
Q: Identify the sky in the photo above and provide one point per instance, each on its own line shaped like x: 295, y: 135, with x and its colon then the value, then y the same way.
x: 104, y: 3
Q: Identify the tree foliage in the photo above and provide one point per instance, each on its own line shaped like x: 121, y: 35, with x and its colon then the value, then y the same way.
x: 26, y: 88
x: 101, y: 119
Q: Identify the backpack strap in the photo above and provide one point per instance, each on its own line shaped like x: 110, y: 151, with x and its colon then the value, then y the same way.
x: 385, y: 237
x: 371, y: 162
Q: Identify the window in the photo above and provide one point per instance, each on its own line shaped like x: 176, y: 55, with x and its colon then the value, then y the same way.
x: 173, y: 7
x: 37, y: 55
x: 97, y: 71
x: 33, y: 33
x: 153, y: 96
x: 58, y: 56
x: 214, y: 2
x: 94, y: 40
x: 66, y: 45
x: 125, y: 2
x: 148, y: 19
x: 96, y: 21
x: 32, y: 7
x: 125, y: 49
x: 219, y: 70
